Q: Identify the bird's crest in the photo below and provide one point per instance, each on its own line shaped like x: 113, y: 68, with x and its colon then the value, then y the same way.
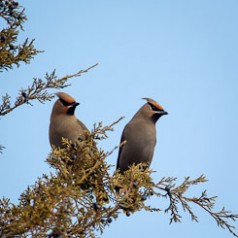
x: 65, y: 97
x: 154, y: 103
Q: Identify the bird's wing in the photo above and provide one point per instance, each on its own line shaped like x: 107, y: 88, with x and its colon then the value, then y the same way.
x: 82, y: 125
x: 121, y: 147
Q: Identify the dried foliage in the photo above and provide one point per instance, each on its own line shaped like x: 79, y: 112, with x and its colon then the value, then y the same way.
x: 207, y: 203
x: 38, y: 90
x: 79, y: 199
x: 12, y: 52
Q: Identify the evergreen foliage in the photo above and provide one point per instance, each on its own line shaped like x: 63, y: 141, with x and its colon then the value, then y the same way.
x: 79, y: 198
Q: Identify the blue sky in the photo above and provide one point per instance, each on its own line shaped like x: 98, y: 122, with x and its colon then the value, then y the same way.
x: 183, y: 54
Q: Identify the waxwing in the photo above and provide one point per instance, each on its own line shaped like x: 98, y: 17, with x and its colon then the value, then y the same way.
x: 139, y: 136
x: 63, y: 123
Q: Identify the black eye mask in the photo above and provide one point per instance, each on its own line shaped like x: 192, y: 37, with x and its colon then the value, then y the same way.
x: 154, y: 108
x: 66, y: 104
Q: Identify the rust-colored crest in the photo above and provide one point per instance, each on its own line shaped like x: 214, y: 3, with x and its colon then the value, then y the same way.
x: 154, y: 103
x: 65, y: 97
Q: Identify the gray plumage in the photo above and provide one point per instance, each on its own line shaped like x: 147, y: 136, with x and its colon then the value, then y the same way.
x: 139, y: 136
x: 63, y: 123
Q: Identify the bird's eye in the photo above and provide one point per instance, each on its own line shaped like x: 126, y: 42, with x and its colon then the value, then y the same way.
x: 154, y: 108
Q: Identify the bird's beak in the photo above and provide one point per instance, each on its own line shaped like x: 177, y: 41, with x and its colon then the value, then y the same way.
x: 75, y: 104
x: 161, y: 113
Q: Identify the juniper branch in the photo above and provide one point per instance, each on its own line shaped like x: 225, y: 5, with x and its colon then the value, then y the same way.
x: 11, y: 52
x: 221, y: 217
x: 38, y: 90
x: 70, y: 202
x: 176, y: 197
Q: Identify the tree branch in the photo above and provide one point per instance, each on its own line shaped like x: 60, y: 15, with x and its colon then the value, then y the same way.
x: 38, y: 90
x: 207, y: 203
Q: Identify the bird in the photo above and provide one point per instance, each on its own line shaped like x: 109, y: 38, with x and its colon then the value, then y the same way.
x: 63, y: 122
x: 138, y: 138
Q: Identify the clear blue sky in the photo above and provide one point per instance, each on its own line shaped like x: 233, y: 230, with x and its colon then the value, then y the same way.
x: 184, y: 54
